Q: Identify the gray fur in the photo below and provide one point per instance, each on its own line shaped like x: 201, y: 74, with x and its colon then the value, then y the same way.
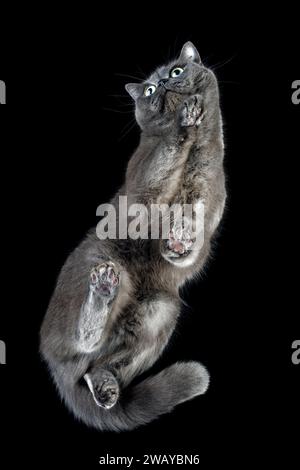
x: 116, y: 302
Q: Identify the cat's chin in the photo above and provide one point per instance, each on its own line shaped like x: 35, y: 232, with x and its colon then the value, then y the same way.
x: 172, y: 101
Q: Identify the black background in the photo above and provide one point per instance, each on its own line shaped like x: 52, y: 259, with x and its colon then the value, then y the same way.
x: 65, y: 142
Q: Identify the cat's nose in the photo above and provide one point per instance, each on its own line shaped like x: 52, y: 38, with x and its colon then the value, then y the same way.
x: 162, y: 81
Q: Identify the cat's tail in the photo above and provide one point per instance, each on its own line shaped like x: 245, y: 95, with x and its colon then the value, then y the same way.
x: 142, y: 403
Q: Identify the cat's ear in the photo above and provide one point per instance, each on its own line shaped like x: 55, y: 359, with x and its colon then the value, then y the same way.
x: 134, y: 89
x: 189, y: 53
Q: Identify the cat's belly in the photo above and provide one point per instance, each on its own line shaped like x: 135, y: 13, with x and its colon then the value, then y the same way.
x: 157, y: 322
x: 159, y: 317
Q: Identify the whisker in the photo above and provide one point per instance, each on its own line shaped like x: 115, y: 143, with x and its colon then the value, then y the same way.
x: 116, y: 110
x: 122, y: 104
x: 128, y: 105
x: 129, y: 76
x: 229, y: 81
x: 120, y: 96
x: 222, y: 63
x: 128, y: 124
x: 124, y: 134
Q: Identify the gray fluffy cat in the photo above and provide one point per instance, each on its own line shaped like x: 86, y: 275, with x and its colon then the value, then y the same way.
x: 116, y: 302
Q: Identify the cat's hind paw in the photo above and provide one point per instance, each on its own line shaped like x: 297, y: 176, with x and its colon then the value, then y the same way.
x: 104, y: 388
x: 179, y: 242
x: 179, y: 248
x: 104, y: 279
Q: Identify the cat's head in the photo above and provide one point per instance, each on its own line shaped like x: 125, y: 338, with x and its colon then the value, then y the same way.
x: 158, y: 98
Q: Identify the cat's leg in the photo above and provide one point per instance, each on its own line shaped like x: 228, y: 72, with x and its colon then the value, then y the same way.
x: 185, y: 240
x: 103, y: 287
x: 159, y: 176
x: 146, y: 330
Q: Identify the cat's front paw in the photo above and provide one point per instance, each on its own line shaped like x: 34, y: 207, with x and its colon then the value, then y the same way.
x: 104, y: 279
x: 192, y: 112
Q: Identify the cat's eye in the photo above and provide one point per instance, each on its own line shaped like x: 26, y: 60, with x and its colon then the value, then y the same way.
x: 149, y: 90
x: 176, y: 72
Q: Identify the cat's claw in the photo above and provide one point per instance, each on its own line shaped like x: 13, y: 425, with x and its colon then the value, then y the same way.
x: 192, y: 113
x: 104, y: 279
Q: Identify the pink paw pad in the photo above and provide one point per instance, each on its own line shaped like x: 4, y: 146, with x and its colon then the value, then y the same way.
x: 179, y: 241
